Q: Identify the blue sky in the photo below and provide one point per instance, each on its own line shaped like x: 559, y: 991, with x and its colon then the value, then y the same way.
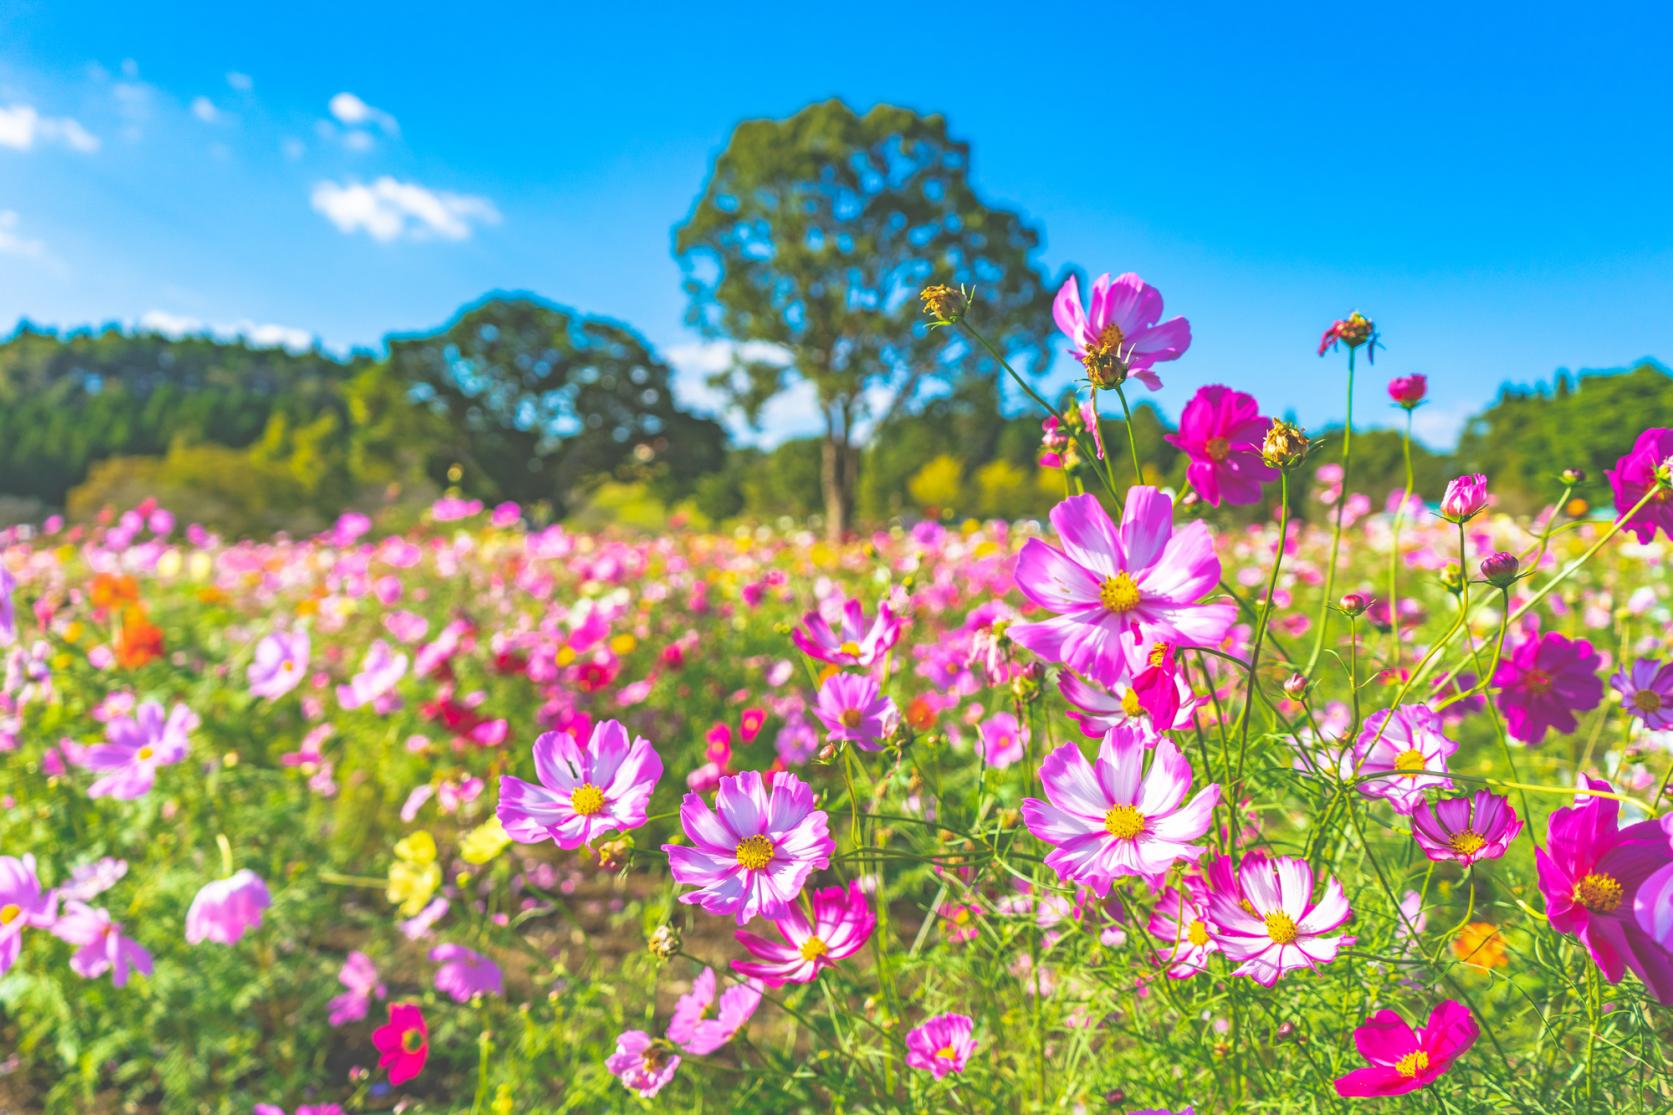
x: 1490, y: 182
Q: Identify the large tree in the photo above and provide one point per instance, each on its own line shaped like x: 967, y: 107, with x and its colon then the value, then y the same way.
x: 808, y: 247
x: 539, y: 397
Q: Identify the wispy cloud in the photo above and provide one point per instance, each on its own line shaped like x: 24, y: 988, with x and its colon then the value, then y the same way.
x: 261, y: 334
x: 241, y: 82
x: 13, y: 243
x: 388, y: 210
x: 353, y: 112
x: 204, y: 109
x: 23, y: 126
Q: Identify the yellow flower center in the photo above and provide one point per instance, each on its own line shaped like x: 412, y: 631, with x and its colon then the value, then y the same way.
x: 10, y: 912
x: 755, y: 852
x: 1247, y: 907
x: 1103, y: 360
x: 1599, y: 892
x: 1646, y: 700
x: 1467, y: 843
x: 411, y: 1041
x: 1197, y: 934
x: 587, y: 799
x: 1537, y: 682
x: 813, y: 948
x: 1119, y: 594
x: 1409, y: 763
x: 850, y: 648
x: 947, y: 1053
x: 145, y: 753
x: 1159, y: 654
x: 1412, y: 1063
x: 1280, y: 928
x: 1130, y: 703
x: 1124, y: 822
x: 1217, y: 448
x: 851, y: 718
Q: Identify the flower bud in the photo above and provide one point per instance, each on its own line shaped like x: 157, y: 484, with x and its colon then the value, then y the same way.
x: 1573, y: 476
x: 1285, y: 445
x: 1408, y: 391
x: 1466, y: 497
x: 945, y: 304
x: 1452, y: 578
x: 1295, y: 686
x: 1500, y: 569
x: 1354, y: 603
x: 663, y: 942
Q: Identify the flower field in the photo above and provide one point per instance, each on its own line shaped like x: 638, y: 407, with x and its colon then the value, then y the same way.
x: 1126, y: 809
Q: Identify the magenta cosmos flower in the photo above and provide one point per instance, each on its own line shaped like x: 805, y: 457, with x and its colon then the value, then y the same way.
x: 583, y: 791
x: 1221, y: 430
x: 1179, y: 924
x: 1114, y: 818
x: 1144, y: 700
x: 841, y: 926
x: 642, y: 1063
x: 8, y: 609
x: 403, y: 1043
x: 856, y: 643
x: 1000, y: 740
x: 1120, y: 334
x: 134, y: 749
x: 1591, y: 871
x: 279, y: 664
x: 101, y: 945
x: 1647, y: 692
x: 1544, y: 682
x: 1645, y: 468
x: 941, y: 1045
x: 1266, y: 921
x: 695, y: 1030
x: 22, y: 906
x: 1465, y: 498
x: 465, y: 974
x: 1465, y: 829
x: 1408, y: 391
x: 752, y: 854
x: 1653, y: 908
x: 379, y: 672
x: 1404, y: 1060
x: 359, y: 977
x: 1119, y: 592
x: 224, y: 910
x: 853, y: 710
x: 1401, y: 746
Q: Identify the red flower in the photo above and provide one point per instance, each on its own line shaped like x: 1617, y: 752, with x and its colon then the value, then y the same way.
x: 404, y: 1042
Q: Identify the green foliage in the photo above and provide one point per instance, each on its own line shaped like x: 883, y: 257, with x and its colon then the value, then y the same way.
x: 238, y: 491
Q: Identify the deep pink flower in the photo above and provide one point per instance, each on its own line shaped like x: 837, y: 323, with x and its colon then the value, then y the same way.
x: 1355, y: 330
x: 134, y: 749
x: 1221, y: 430
x: 752, y: 854
x: 22, y: 906
x: 852, y: 709
x: 1405, y: 745
x: 403, y: 1043
x: 1465, y: 498
x: 101, y: 945
x: 8, y: 609
x: 1120, y: 334
x: 583, y: 791
x: 304, y: 1109
x: 1647, y: 692
x: 1000, y: 739
x: 1408, y: 391
x: 1591, y: 871
x: 224, y: 910
x: 1179, y: 924
x: 694, y: 1031
x: 1265, y: 919
x: 1645, y: 467
x: 279, y: 664
x: 1544, y: 681
x: 1653, y: 908
x: 1098, y: 709
x: 1118, y: 593
x: 856, y: 644
x: 841, y: 926
x: 1465, y: 829
x: 465, y: 974
x: 1114, y: 818
x: 1402, y: 1060
x: 643, y: 1064
x: 941, y: 1045
x: 360, y: 980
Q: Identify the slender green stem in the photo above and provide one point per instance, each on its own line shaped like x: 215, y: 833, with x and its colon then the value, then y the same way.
x: 1132, y: 438
x: 1336, y: 532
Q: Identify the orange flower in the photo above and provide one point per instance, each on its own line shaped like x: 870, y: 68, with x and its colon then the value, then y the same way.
x: 919, y: 714
x: 1480, y: 945
x: 139, y: 640
x: 114, y: 591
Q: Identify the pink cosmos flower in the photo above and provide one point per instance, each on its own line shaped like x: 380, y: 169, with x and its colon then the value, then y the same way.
x: 841, y: 926
x: 101, y: 945
x: 856, y: 643
x: 465, y: 974
x: 1653, y: 908
x: 1544, y: 681
x: 1647, y: 692
x: 1098, y: 709
x: 1113, y: 818
x: 1642, y: 469
x: 1000, y: 739
x: 22, y: 906
x: 1180, y: 925
x: 8, y: 609
x: 943, y: 1044
x: 1119, y: 592
x: 224, y: 910
x: 304, y: 1109
x: 359, y: 978
x: 1408, y: 391
x: 89, y: 880
x: 1403, y: 1060
x: 1266, y: 921
x: 1465, y: 498
x: 403, y: 1043
x: 694, y: 1031
x: 379, y: 672
x: 583, y: 791
x: 1121, y: 330
x: 1403, y: 744
x: 1221, y: 430
x: 1355, y: 330
x: 279, y: 664
x: 134, y: 749
x: 1591, y: 872
x: 752, y: 855
x: 1465, y: 829
x: 852, y: 709
x: 642, y: 1063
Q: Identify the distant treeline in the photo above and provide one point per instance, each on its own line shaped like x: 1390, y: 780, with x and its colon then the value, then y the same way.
x: 517, y: 399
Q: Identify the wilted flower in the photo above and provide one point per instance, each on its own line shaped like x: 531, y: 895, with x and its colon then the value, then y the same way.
x: 1285, y: 445
x: 945, y: 304
x: 1354, y: 331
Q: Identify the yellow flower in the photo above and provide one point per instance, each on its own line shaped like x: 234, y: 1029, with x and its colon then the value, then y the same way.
x: 415, y: 874
x: 623, y: 644
x: 1479, y: 945
x: 484, y: 842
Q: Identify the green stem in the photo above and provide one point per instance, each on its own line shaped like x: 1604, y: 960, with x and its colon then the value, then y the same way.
x: 1132, y: 438
x: 1336, y: 532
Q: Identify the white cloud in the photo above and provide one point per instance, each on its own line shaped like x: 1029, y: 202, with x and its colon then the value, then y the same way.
x: 241, y: 82
x: 1439, y: 426
x: 14, y: 244
x: 353, y: 112
x: 22, y: 126
x: 204, y: 109
x: 293, y: 148
x: 389, y: 210
x: 262, y: 335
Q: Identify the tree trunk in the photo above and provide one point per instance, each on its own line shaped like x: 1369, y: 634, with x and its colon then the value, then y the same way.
x: 836, y: 476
